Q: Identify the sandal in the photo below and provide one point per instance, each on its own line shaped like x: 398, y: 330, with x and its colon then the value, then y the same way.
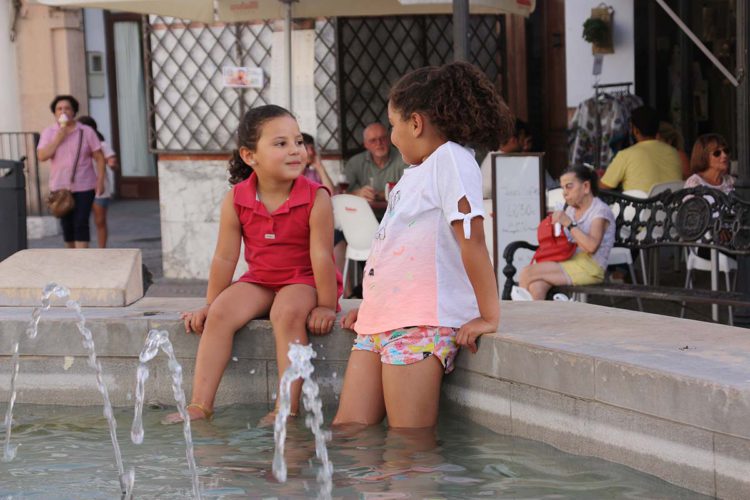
x: 176, y: 418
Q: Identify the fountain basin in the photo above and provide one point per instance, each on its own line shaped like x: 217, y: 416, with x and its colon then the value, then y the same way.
x: 665, y: 396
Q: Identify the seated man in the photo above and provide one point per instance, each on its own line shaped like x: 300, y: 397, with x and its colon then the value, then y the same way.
x: 369, y: 171
x: 646, y: 163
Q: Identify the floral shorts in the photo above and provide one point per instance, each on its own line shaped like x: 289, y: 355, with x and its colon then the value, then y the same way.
x: 406, y: 346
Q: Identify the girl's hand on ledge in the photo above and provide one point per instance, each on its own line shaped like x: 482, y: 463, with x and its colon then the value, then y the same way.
x: 349, y: 319
x: 471, y: 331
x: 195, y: 320
x: 321, y: 320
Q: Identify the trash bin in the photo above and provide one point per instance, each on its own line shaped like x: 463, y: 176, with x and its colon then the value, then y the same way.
x: 12, y: 208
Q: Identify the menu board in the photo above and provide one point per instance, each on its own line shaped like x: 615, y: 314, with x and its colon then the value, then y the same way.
x: 518, y: 205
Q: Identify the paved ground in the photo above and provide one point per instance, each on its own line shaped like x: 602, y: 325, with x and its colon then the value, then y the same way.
x: 135, y: 224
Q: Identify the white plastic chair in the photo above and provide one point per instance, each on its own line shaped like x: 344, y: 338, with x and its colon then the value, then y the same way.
x: 629, y: 214
x: 622, y: 256
x: 660, y: 188
x: 354, y: 216
x: 697, y: 263
x: 663, y: 186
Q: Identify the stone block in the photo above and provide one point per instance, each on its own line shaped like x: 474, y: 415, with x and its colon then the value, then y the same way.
x: 95, y: 277
x: 481, y: 399
x: 732, y: 456
x: 695, y: 401
x: 41, y: 226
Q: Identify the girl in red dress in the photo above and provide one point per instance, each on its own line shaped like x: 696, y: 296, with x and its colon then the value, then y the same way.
x: 286, y: 224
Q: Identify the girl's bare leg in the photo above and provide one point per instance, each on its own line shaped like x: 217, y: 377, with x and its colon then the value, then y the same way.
x: 289, y: 313
x: 539, y: 278
x: 231, y: 310
x: 362, y: 395
x: 412, y: 393
x: 100, y: 220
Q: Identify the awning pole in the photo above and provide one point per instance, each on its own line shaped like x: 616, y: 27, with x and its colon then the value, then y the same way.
x: 729, y: 76
x: 460, y: 30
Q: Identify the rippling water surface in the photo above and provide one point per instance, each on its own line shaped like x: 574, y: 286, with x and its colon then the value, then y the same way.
x: 65, y: 453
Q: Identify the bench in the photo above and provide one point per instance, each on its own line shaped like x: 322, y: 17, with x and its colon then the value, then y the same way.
x: 697, y: 217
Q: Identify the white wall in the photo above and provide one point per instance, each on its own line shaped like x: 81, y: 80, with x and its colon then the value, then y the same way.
x: 617, y: 67
x: 93, y: 20
x: 10, y: 102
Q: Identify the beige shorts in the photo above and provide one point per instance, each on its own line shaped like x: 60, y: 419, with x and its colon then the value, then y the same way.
x: 582, y: 269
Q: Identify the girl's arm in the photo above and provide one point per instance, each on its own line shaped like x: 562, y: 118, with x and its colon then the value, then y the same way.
x: 481, y: 274
x: 223, y: 263
x: 321, y: 256
x: 589, y: 243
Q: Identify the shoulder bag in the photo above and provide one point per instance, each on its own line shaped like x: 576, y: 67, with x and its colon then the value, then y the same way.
x: 61, y: 202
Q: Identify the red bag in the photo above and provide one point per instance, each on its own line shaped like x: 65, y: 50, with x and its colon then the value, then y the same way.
x: 552, y: 248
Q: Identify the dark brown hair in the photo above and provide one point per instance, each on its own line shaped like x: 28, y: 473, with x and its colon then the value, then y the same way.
x: 64, y: 97
x: 584, y: 174
x: 247, y: 136
x: 459, y: 100
x: 699, y: 156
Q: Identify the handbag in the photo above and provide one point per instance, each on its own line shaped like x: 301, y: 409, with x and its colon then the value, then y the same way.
x: 552, y: 248
x: 61, y: 202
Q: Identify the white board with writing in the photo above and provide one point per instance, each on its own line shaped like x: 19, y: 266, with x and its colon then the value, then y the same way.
x: 518, y: 205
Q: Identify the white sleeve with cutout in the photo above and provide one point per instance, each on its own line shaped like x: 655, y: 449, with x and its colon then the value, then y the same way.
x: 459, y: 176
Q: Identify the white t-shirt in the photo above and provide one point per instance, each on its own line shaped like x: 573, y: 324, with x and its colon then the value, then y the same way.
x: 109, y: 182
x: 414, y: 275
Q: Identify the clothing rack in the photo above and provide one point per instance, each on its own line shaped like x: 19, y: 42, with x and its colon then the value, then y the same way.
x: 621, y: 88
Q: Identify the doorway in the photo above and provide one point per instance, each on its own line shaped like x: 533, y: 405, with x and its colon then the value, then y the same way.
x: 137, y: 176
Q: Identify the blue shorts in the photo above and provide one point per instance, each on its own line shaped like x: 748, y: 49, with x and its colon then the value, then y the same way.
x: 102, y: 202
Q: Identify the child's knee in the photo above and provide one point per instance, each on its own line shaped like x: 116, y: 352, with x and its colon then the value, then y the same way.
x: 287, y: 315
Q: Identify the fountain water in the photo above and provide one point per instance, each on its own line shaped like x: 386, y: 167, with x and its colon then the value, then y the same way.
x: 126, y: 479
x: 301, y: 357
x: 159, y: 339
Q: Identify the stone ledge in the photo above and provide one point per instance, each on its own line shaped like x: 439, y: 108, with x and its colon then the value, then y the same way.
x: 95, y: 277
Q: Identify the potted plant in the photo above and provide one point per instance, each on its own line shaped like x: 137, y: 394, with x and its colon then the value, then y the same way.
x: 597, y: 30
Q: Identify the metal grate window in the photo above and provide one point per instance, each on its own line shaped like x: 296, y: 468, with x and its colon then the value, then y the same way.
x: 326, y: 87
x: 356, y: 62
x: 189, y: 108
x: 375, y: 52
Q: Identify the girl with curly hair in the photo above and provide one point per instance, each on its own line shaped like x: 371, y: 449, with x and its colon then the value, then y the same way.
x: 286, y: 223
x: 429, y: 285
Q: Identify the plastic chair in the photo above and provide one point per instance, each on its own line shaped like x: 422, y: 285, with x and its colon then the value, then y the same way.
x: 622, y: 256
x: 695, y: 262
x: 663, y: 186
x: 354, y: 216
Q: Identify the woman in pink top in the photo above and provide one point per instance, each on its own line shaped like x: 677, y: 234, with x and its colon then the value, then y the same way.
x: 76, y: 163
x: 286, y: 224
x: 429, y: 286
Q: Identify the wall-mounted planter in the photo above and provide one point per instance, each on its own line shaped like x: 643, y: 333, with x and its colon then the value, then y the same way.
x: 598, y: 29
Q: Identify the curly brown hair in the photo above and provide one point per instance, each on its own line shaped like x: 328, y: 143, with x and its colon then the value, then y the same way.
x: 248, y: 134
x: 459, y: 100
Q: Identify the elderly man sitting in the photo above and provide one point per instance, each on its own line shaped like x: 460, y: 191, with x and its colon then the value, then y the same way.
x: 369, y: 171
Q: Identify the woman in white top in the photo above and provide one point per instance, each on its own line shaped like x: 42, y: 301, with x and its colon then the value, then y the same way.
x: 710, y: 164
x: 588, y: 222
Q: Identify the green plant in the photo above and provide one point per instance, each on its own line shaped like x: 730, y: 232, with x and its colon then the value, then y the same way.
x: 595, y: 30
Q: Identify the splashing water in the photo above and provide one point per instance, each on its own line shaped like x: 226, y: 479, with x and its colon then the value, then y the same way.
x: 159, y: 339
x: 126, y: 479
x: 301, y: 357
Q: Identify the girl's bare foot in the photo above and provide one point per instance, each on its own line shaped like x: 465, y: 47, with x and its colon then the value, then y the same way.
x: 195, y: 410
x: 270, y: 419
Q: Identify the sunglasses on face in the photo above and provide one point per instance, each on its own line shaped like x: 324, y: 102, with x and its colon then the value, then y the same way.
x: 717, y: 152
